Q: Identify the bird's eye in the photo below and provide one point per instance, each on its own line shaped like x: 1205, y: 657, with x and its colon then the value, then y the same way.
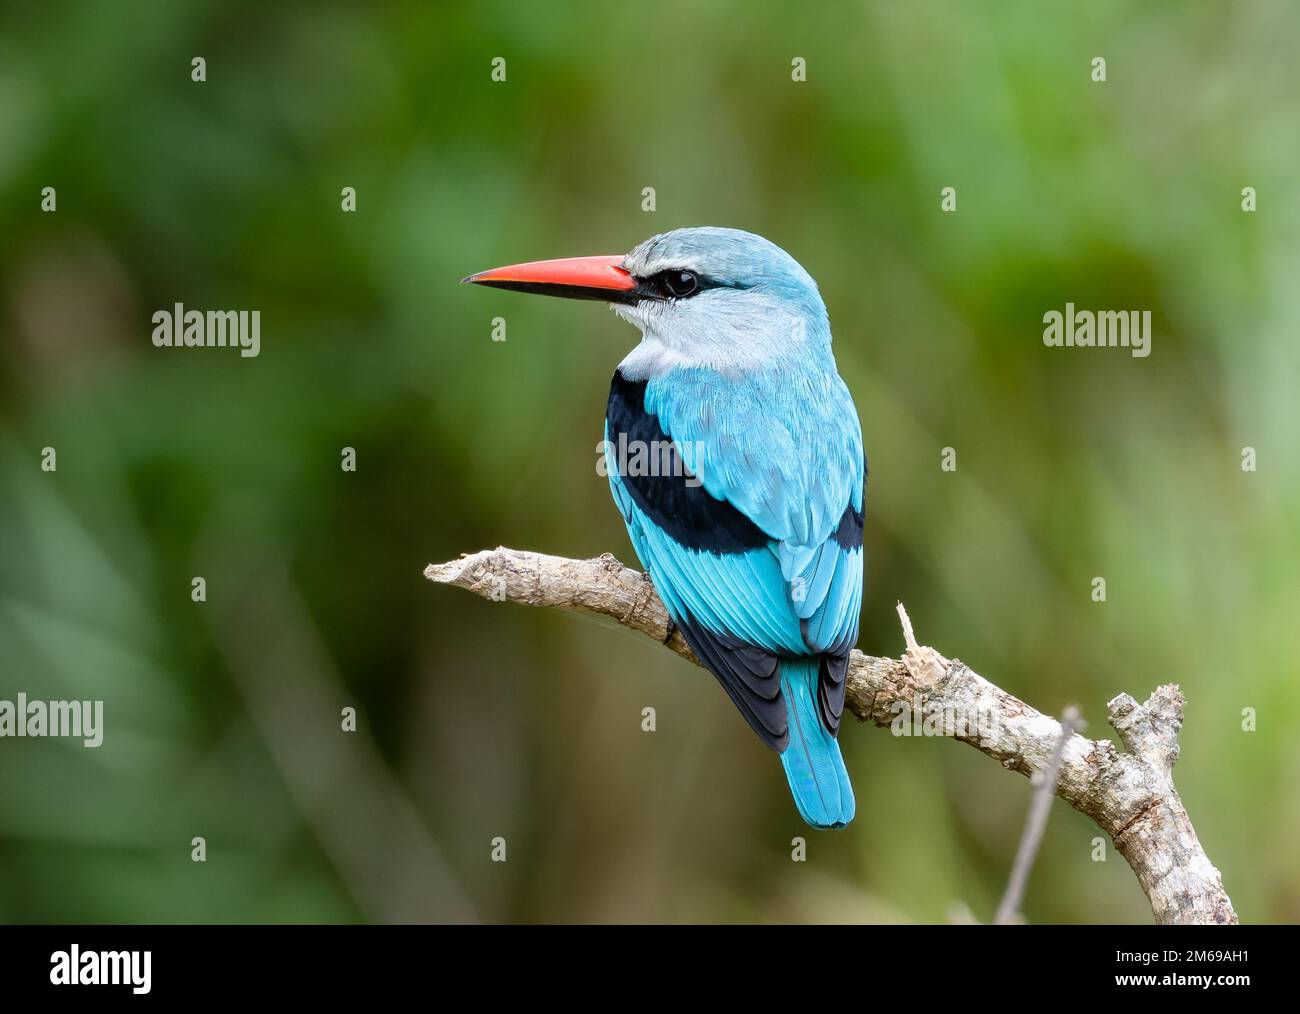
x: 680, y: 283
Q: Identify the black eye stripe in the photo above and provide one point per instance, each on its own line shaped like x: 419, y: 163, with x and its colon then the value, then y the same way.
x: 671, y: 283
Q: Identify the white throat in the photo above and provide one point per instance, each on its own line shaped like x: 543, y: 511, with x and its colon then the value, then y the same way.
x: 728, y: 332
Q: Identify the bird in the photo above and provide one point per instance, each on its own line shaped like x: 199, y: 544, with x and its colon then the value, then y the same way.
x: 735, y: 456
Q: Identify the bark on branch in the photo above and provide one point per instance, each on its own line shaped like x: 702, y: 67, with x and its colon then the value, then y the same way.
x: 1130, y: 795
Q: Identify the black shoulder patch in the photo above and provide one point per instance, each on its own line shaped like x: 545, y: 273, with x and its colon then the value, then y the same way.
x: 750, y: 677
x: 686, y: 511
x: 848, y: 534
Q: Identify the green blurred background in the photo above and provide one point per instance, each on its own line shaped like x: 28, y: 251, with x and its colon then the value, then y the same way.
x: 479, y: 720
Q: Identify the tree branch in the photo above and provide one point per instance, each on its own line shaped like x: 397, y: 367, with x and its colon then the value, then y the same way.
x: 1130, y: 796
x: 1040, y: 805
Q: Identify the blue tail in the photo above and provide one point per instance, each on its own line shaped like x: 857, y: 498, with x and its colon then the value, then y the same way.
x: 812, y: 761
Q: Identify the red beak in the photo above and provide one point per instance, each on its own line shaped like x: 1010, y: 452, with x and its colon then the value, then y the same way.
x: 600, y: 278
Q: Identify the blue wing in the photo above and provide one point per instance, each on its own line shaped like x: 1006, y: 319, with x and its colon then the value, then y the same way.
x: 747, y: 514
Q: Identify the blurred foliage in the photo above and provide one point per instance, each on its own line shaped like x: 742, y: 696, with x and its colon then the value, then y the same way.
x: 479, y: 720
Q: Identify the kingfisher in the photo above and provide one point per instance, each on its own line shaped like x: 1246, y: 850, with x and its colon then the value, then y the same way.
x: 745, y: 489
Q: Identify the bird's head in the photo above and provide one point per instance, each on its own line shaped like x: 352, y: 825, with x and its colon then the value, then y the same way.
x: 704, y: 296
